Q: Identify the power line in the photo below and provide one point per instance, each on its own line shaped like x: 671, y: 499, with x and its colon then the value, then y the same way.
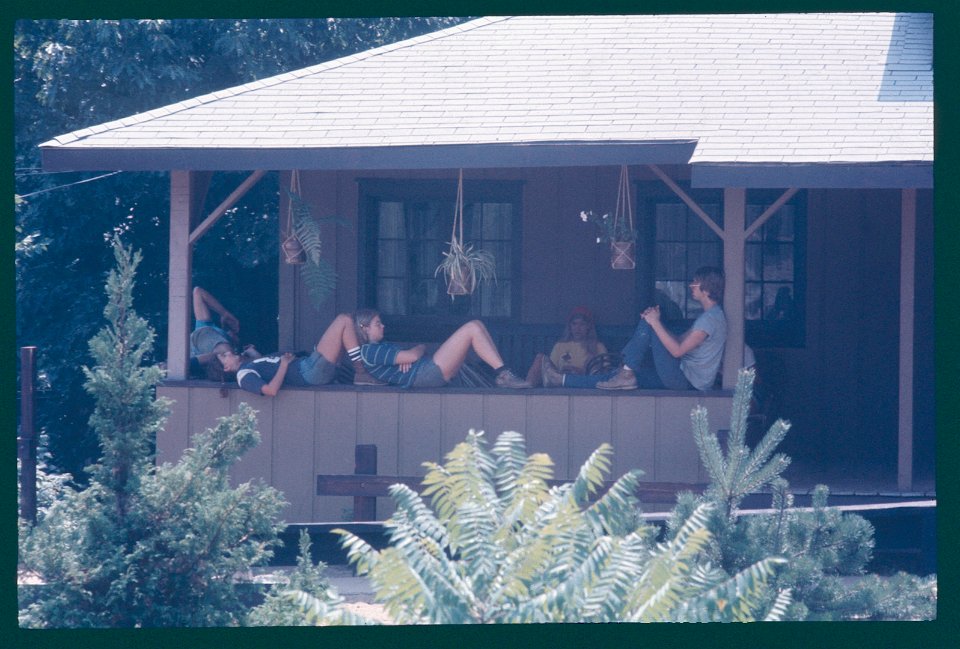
x: 79, y: 182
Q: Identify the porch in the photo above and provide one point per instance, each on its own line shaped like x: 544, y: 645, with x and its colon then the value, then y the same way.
x: 308, y: 432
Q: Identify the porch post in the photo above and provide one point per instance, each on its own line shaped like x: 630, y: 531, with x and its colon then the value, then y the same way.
x: 181, y: 262
x: 734, y: 224
x: 908, y: 239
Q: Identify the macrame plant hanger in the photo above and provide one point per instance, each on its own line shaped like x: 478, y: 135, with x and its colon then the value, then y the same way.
x: 293, y: 252
x: 623, y: 251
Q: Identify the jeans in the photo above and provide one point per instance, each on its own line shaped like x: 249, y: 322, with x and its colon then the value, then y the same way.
x: 665, y: 373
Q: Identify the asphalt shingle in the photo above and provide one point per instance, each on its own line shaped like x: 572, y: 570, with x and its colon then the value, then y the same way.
x: 827, y: 87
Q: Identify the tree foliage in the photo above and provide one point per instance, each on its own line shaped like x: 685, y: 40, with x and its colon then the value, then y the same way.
x: 71, y: 74
x: 827, y: 550
x: 146, y: 546
x: 496, y: 544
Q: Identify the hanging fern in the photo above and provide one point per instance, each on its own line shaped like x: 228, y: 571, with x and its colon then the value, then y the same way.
x: 318, y: 275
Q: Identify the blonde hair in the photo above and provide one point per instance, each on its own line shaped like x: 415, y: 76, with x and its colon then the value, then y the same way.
x: 361, y: 320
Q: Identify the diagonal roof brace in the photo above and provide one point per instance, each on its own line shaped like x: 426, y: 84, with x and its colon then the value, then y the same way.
x: 229, y: 202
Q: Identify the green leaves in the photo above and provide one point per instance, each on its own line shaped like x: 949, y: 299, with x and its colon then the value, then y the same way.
x: 497, y: 544
x: 145, y: 545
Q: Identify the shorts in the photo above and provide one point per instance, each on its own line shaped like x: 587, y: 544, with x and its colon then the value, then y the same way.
x: 205, y: 337
x: 313, y: 370
x: 428, y: 375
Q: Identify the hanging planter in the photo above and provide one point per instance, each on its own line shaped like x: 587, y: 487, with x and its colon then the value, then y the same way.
x: 291, y: 246
x: 623, y: 255
x: 302, y: 244
x: 622, y: 248
x: 617, y: 229
x: 463, y: 267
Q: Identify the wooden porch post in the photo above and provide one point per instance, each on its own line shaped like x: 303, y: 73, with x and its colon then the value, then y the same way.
x: 908, y: 243
x: 181, y: 262
x: 734, y: 223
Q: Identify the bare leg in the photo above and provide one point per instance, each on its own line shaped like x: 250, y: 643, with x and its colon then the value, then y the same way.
x: 339, y: 335
x: 473, y: 335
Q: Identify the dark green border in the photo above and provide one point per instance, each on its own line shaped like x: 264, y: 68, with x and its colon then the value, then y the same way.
x: 806, y: 634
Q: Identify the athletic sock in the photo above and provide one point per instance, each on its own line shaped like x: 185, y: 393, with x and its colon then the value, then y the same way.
x: 354, y: 353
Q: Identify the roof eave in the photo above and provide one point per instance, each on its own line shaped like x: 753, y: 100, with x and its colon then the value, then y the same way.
x: 439, y: 156
x: 814, y: 175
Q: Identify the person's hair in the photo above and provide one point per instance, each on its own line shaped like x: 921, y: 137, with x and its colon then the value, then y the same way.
x: 361, y: 319
x: 711, y: 282
x: 590, y: 340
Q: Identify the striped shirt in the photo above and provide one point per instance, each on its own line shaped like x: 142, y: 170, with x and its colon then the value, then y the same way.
x: 380, y: 359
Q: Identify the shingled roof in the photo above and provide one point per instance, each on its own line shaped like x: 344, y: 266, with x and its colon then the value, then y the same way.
x: 717, y: 91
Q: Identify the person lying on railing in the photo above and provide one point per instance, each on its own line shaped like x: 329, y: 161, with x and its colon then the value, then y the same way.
x: 577, y: 347
x: 690, y: 361
x: 267, y: 374
x: 409, y: 368
x: 208, y: 337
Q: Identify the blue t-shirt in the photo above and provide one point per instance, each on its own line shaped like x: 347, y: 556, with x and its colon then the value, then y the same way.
x: 255, y: 374
x: 701, y: 364
x: 380, y: 360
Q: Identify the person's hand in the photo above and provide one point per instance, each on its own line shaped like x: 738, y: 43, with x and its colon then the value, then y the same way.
x: 286, y: 357
x: 651, y: 314
x: 405, y: 367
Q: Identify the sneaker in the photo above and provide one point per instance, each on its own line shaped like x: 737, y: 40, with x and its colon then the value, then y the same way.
x: 625, y: 379
x: 507, y: 379
x: 552, y: 378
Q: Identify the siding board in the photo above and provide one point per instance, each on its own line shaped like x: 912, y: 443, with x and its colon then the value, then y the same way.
x: 591, y: 424
x: 334, y: 441
x: 634, y: 436
x: 292, y: 453
x: 547, y: 430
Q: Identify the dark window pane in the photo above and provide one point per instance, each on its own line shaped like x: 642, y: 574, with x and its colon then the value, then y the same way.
x: 391, y: 221
x: 671, y: 225
x: 753, y: 302
x: 753, y: 267
x: 777, y: 262
x: 671, y: 261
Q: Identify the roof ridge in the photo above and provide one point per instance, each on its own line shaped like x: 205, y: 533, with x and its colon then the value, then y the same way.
x: 250, y: 86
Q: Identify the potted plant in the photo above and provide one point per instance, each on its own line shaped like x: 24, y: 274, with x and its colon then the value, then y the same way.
x: 617, y: 229
x: 464, y: 267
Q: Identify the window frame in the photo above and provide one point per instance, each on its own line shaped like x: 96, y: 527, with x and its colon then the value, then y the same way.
x: 757, y: 333
x: 432, y: 327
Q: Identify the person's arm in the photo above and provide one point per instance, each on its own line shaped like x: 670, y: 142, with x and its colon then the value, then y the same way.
x: 407, y: 357
x: 204, y: 301
x: 273, y: 387
x: 677, y: 348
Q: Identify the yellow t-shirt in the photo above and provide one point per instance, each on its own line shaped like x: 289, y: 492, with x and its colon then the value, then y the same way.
x: 572, y: 358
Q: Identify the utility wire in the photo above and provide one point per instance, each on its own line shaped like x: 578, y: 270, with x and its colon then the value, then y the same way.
x: 79, y: 182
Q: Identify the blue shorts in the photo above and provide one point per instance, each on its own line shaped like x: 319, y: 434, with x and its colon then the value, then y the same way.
x: 313, y: 370
x: 428, y: 375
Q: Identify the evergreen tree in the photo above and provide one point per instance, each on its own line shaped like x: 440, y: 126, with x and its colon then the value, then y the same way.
x: 827, y: 550
x: 145, y: 545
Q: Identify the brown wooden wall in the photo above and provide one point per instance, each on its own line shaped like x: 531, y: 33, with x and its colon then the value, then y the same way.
x: 305, y: 432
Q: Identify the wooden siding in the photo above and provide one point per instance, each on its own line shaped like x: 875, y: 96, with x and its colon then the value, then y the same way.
x: 306, y: 432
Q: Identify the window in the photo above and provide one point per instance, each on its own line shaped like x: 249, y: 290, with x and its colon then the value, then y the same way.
x: 774, y: 288
x: 677, y: 242
x: 407, y: 226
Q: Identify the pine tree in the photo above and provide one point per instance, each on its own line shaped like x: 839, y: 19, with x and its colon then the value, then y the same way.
x: 145, y: 545
x: 827, y: 550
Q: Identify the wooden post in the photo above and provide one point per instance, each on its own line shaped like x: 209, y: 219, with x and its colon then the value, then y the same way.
x: 365, y: 507
x: 180, y: 281
x: 27, y: 441
x: 908, y: 243
x: 734, y: 221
